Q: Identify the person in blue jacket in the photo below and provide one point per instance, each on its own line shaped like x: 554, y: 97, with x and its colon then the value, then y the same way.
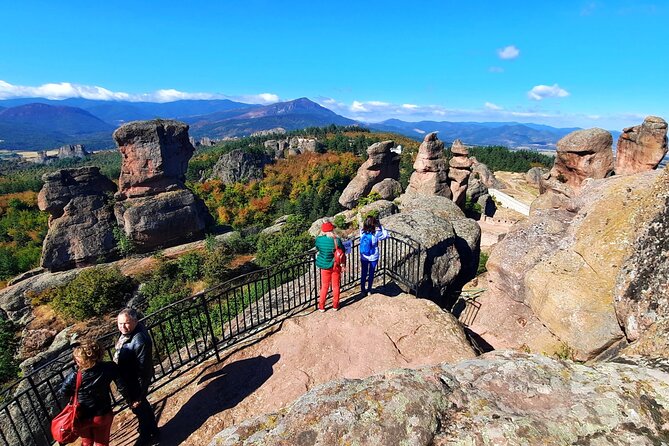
x: 370, y: 235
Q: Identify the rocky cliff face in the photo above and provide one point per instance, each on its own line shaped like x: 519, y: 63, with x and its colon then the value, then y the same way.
x: 153, y: 206
x: 499, y: 398
x: 239, y: 166
x: 81, y: 218
x: 565, y: 265
x: 641, y: 147
x: 641, y: 291
x: 381, y: 164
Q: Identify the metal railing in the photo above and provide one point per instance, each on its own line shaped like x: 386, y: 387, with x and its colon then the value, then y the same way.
x: 200, y: 326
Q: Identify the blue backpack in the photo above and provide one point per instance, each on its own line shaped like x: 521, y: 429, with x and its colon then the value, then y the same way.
x: 366, y: 247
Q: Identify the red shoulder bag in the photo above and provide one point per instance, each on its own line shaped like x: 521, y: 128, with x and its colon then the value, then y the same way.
x: 63, y: 426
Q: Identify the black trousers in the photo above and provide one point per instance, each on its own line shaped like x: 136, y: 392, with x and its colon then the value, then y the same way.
x: 145, y: 418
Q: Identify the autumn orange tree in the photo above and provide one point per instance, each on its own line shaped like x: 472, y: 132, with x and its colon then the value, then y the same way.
x: 308, y: 185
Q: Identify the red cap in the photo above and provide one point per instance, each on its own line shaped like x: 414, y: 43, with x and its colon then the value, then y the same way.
x: 327, y: 227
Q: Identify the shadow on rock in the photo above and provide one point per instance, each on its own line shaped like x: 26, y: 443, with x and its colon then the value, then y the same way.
x: 221, y: 390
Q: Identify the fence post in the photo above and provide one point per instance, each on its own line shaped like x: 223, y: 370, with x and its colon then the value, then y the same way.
x: 203, y: 297
x: 315, y: 280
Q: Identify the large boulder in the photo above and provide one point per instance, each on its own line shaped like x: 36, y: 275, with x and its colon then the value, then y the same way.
x: 240, y: 166
x: 641, y: 147
x: 467, y: 231
x: 564, y: 263
x: 382, y: 163
x: 388, y: 189
x: 430, y: 176
x: 81, y: 221
x: 153, y: 206
x: 163, y: 220
x: 439, y: 264
x: 155, y: 157
x: 499, y: 398
x: 582, y: 154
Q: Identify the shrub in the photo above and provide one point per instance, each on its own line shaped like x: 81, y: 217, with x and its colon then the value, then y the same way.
x: 216, y: 266
x: 340, y: 222
x: 94, y: 292
x: 483, y: 259
x: 565, y: 352
x: 8, y: 344
x: 123, y: 242
x: 371, y: 198
x: 190, y: 266
x: 291, y: 241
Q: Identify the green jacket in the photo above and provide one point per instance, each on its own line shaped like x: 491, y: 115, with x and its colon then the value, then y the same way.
x: 325, y: 247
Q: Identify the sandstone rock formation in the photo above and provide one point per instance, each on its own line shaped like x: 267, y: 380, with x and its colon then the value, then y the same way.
x: 430, y: 176
x: 388, y: 189
x: 641, y: 147
x: 641, y: 291
x: 303, y: 145
x: 239, y: 166
x: 381, y: 164
x: 459, y: 169
x: 155, y: 157
x: 477, y: 192
x: 483, y: 172
x: 581, y: 154
x: 535, y: 175
x: 499, y: 398
x: 72, y: 151
x: 564, y: 263
x: 153, y: 206
x: 81, y: 220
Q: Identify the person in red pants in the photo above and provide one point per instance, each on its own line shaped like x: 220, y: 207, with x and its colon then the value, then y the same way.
x: 330, y: 273
x: 95, y: 408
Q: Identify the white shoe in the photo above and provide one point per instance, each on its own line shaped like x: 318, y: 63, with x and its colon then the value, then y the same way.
x: 322, y: 310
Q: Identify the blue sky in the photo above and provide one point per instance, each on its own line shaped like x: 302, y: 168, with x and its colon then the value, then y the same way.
x: 568, y: 63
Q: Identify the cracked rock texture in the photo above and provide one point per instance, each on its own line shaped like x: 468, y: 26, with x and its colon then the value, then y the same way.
x: 563, y: 265
x: 501, y: 398
x: 81, y: 219
x: 366, y: 337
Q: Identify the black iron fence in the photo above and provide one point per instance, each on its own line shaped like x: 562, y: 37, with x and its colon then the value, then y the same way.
x: 200, y: 326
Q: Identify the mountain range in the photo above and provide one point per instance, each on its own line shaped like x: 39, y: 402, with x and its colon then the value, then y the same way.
x: 41, y: 124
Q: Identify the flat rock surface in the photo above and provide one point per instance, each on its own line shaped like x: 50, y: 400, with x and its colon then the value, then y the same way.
x: 364, y: 338
x: 501, y: 398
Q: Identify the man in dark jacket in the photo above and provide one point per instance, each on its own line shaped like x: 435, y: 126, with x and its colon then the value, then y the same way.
x: 134, y: 358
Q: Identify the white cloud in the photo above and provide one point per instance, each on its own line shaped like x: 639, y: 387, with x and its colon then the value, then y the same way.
x: 508, y: 52
x: 64, y: 90
x: 540, y: 92
x: 358, y: 107
x: 410, y: 106
x: 60, y: 90
x: 491, y: 106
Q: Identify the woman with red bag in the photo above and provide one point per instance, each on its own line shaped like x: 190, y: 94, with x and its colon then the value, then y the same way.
x: 94, y: 410
x: 326, y: 243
